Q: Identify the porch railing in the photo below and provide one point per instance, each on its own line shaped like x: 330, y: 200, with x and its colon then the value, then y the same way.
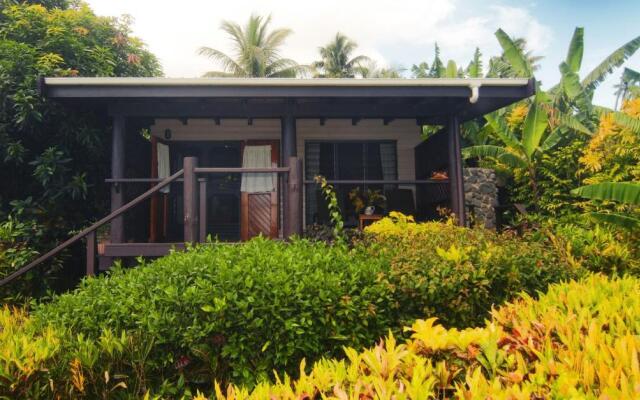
x: 90, y: 234
x: 194, y: 192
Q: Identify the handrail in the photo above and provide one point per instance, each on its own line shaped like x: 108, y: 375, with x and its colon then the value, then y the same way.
x: 207, y: 170
x: 91, y: 228
x: 382, y: 181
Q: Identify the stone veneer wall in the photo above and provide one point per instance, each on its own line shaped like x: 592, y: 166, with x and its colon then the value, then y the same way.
x: 481, y: 195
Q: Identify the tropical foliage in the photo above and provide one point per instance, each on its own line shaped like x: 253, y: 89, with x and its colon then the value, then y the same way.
x: 337, y: 59
x: 528, y: 140
x: 50, y: 156
x: 563, y: 345
x: 256, y: 51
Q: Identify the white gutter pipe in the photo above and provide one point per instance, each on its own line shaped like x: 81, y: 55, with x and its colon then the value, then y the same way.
x: 475, y: 92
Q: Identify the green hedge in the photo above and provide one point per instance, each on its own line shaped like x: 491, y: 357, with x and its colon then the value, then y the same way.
x: 239, y: 312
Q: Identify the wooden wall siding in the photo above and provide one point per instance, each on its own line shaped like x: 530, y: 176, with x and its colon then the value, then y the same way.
x: 404, y: 131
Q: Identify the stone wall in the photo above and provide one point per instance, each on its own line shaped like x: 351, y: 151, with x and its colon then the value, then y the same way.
x: 481, y: 196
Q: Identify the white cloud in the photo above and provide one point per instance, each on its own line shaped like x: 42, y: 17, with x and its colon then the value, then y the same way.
x: 174, y: 31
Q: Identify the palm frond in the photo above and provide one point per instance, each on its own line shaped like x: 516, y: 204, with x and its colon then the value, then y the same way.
x: 535, y: 124
x: 627, y: 121
x: 570, y: 81
x: 495, y: 152
x: 615, y: 59
x: 576, y: 50
x: 571, y: 122
x: 618, y: 219
x: 227, y: 63
x: 514, y: 55
x: 623, y: 192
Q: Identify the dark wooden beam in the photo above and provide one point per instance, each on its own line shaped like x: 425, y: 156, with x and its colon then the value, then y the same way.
x: 117, y: 171
x: 203, y: 211
x: 455, y: 170
x: 140, y: 249
x: 190, y: 200
x: 91, y: 267
x: 294, y: 202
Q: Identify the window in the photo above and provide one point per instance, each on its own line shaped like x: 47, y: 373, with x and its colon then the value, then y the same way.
x: 346, y: 160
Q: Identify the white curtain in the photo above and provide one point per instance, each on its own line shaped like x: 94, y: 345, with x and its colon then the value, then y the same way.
x: 388, y: 161
x: 164, y: 167
x: 253, y: 182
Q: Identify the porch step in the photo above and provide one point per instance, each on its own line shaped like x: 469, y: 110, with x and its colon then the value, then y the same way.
x: 138, y: 249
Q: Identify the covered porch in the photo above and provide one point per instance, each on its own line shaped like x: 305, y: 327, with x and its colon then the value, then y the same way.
x: 250, y: 148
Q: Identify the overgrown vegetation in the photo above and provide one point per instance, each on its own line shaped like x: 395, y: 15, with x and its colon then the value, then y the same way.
x: 567, y: 344
x: 238, y: 313
x: 54, y: 161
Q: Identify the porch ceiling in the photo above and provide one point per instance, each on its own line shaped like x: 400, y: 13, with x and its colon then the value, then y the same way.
x: 430, y: 101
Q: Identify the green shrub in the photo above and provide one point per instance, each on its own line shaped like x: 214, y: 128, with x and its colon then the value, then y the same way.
x: 458, y: 274
x: 578, y: 341
x: 237, y: 312
x: 240, y: 312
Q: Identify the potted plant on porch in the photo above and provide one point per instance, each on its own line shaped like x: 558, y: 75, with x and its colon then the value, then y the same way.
x: 367, y: 202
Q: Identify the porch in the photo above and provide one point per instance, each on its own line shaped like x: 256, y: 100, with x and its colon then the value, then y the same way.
x: 363, y: 133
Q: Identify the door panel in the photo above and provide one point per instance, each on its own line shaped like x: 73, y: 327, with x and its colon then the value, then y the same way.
x: 259, y: 211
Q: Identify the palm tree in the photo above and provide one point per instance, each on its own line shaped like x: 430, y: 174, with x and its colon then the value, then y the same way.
x: 628, y: 86
x: 371, y: 70
x: 337, y: 60
x: 502, y: 67
x: 256, y: 51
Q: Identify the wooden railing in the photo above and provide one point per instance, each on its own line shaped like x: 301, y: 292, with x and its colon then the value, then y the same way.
x: 195, y: 215
x: 90, y: 234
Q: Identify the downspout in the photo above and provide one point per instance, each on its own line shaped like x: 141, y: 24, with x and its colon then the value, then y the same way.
x: 475, y: 92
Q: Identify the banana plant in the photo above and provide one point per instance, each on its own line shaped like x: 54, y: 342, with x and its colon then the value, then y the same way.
x: 521, y: 151
x: 622, y: 192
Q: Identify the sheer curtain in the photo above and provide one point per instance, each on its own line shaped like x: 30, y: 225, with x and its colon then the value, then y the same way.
x: 388, y: 161
x: 164, y: 164
x: 253, y: 182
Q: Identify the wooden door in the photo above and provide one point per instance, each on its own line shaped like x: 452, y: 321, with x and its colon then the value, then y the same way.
x: 259, y: 211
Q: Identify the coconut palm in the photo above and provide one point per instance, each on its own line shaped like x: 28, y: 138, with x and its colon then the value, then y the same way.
x: 337, y: 60
x: 629, y: 86
x: 370, y: 69
x: 513, y: 50
x: 256, y: 51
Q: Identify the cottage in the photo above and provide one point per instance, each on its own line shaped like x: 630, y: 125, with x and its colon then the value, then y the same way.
x: 235, y: 158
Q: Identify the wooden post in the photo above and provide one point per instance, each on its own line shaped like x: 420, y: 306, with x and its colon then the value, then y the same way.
x: 203, y: 210
x: 117, y: 171
x: 455, y: 170
x: 190, y: 200
x: 289, y: 151
x: 91, y: 253
x: 155, y: 199
x: 294, y: 202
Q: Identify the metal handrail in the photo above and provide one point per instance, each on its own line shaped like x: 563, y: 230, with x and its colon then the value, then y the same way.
x: 90, y: 229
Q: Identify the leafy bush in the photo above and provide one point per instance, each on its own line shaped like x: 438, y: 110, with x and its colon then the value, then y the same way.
x: 237, y: 312
x: 458, y: 274
x: 580, y: 340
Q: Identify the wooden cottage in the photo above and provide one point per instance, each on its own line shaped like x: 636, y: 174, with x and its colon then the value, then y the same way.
x: 235, y: 158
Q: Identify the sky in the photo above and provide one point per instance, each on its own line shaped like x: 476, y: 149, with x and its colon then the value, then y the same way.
x: 394, y: 33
